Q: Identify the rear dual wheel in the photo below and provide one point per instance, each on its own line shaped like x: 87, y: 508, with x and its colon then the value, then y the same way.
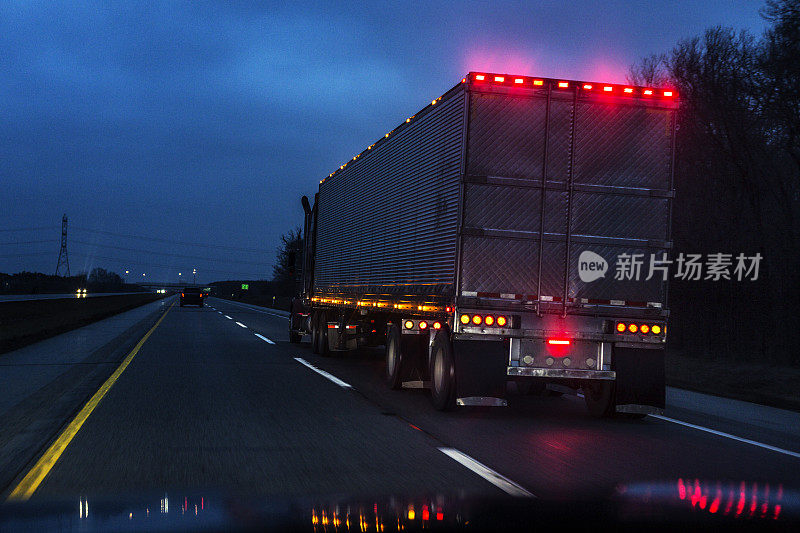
x: 443, y: 373
x: 600, y: 398
x: 319, y: 333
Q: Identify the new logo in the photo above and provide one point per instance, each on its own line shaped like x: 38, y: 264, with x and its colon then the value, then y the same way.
x: 591, y: 266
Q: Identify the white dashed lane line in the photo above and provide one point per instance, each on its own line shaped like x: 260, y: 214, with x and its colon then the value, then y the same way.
x: 323, y: 373
x: 226, y: 316
x: 240, y: 324
x: 263, y: 338
x: 498, y: 480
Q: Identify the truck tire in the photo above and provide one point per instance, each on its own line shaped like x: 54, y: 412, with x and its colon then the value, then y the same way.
x: 599, y: 398
x: 322, y: 336
x: 294, y: 337
x: 395, y: 361
x: 443, y: 373
x: 315, y: 332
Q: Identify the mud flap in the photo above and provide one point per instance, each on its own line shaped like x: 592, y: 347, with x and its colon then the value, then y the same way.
x: 480, y: 372
x: 640, y: 384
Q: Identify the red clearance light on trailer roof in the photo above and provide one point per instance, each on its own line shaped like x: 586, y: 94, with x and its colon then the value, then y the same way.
x: 608, y: 88
x: 648, y: 92
x: 667, y: 93
x: 587, y: 86
x: 518, y: 80
x: 563, y: 84
x: 538, y: 82
x: 561, y: 342
x: 627, y: 90
x: 499, y: 79
x: 480, y: 77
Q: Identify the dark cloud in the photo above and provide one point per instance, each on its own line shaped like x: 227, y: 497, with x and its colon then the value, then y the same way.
x: 205, y: 121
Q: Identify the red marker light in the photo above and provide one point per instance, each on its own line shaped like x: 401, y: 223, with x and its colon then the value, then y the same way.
x: 563, y: 84
x: 587, y: 86
x: 499, y: 79
x: 648, y: 92
x: 181, y: 295
x: 477, y: 319
x: 627, y: 90
x: 409, y: 324
x: 621, y: 327
x: 518, y: 80
x: 644, y: 329
x: 437, y: 325
x: 633, y: 328
x: 538, y: 82
x: 561, y: 342
x: 608, y: 88
x: 667, y: 93
x: 502, y: 321
x: 489, y: 320
x: 480, y: 77
x: 423, y: 325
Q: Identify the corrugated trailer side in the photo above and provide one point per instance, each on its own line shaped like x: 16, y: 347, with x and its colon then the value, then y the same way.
x: 387, y: 220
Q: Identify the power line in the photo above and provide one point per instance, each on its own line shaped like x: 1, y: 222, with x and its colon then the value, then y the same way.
x: 29, y: 229
x: 168, y: 241
x: 157, y: 265
x: 197, y: 257
x: 50, y: 241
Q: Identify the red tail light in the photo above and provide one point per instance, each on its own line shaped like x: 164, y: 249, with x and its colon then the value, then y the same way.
x: 561, y: 342
x: 477, y: 319
x: 621, y: 327
x: 423, y: 325
x: 644, y: 328
x: 502, y: 321
x: 489, y: 320
x: 633, y: 328
x: 437, y: 325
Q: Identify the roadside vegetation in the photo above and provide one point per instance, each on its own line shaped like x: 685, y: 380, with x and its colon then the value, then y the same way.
x: 737, y: 180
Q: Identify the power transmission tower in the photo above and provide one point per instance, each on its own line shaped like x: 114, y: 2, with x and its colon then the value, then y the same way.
x: 63, y: 258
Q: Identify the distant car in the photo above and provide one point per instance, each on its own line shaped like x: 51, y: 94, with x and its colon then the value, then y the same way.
x: 192, y: 296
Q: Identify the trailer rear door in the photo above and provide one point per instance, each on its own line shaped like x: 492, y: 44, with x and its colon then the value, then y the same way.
x: 552, y: 173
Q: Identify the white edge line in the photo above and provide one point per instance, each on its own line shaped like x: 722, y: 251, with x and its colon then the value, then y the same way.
x: 239, y: 323
x: 323, y: 373
x: 729, y: 436
x: 498, y: 480
x: 263, y: 338
x: 226, y: 316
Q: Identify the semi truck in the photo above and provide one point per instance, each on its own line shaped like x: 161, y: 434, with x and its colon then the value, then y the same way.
x: 511, y: 234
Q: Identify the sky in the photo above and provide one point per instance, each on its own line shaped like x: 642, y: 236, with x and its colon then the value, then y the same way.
x: 182, y: 135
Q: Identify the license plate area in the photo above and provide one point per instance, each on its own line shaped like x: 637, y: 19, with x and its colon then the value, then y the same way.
x: 577, y: 355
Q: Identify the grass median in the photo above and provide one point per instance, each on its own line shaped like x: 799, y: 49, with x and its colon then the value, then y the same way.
x: 26, y: 322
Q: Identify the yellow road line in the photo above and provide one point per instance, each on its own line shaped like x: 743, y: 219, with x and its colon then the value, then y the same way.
x: 36, y: 475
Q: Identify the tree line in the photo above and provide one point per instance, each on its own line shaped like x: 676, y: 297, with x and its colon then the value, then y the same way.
x: 737, y: 181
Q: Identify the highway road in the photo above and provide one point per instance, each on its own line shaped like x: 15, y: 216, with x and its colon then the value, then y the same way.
x: 217, y: 398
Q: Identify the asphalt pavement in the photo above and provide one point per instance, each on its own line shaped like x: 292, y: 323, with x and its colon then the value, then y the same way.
x: 218, y: 399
